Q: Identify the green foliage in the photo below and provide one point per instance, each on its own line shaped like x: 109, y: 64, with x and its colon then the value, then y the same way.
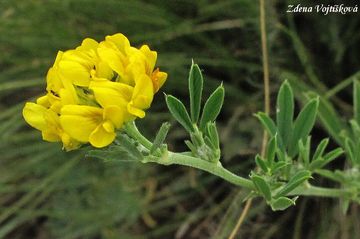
x: 262, y: 186
x: 195, y: 90
x: 303, y: 125
x: 178, y: 111
x: 285, y: 112
x: 212, y: 107
x: 298, y: 178
x: 160, y: 137
x: 204, y: 136
x: 267, y: 123
x: 282, y: 203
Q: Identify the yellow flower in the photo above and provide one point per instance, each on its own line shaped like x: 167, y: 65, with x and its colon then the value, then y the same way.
x: 47, y: 121
x: 92, y: 124
x: 158, y: 77
x: 76, y: 65
x: 93, y: 89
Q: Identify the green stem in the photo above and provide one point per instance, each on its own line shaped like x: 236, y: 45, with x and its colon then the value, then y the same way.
x: 131, y: 129
x: 171, y: 158
x: 319, y: 192
x: 211, y: 167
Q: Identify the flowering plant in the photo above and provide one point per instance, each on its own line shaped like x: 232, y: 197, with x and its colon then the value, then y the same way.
x: 96, y: 91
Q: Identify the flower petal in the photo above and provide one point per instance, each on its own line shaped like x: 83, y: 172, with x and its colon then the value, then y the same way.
x: 111, y: 93
x: 113, y: 58
x: 100, y: 137
x: 150, y: 57
x: 143, y: 92
x: 79, y: 121
x: 76, y: 72
x: 120, y: 41
x: 34, y: 115
x: 115, y: 114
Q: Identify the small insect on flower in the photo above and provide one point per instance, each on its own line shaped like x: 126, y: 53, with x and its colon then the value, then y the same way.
x: 93, y: 90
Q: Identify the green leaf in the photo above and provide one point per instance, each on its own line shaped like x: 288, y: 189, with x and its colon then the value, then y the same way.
x: 261, y: 163
x: 190, y: 146
x: 267, y: 123
x: 271, y: 150
x: 209, y: 143
x: 262, y: 186
x: 355, y: 128
x: 195, y: 90
x: 324, y: 160
x: 350, y: 148
x: 212, y: 107
x: 317, y: 164
x: 329, y: 118
x: 112, y: 154
x: 213, y: 134
x: 281, y: 156
x: 320, y: 149
x: 285, y: 112
x: 160, y: 136
x: 304, y: 150
x: 129, y: 145
x: 330, y: 174
x: 333, y: 155
x: 296, y: 180
x: 357, y: 101
x: 279, y: 165
x: 178, y: 111
x: 303, y: 125
x: 282, y: 203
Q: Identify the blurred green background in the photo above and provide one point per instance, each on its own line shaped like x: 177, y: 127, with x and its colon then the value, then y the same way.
x: 47, y: 193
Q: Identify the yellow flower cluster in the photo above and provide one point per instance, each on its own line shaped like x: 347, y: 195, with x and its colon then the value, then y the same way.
x: 93, y: 90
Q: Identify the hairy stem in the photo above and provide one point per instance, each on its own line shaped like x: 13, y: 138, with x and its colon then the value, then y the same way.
x: 211, y: 167
x: 172, y: 158
x: 319, y: 192
x: 131, y: 129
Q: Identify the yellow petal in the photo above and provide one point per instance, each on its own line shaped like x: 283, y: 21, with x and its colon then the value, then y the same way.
x: 120, y: 41
x: 59, y: 56
x: 103, y: 70
x: 43, y: 101
x: 143, y: 92
x: 86, y: 58
x: 34, y: 115
x: 135, y: 111
x: 88, y: 44
x: 108, y: 126
x: 79, y: 121
x: 150, y: 57
x: 161, y: 78
x: 68, y: 96
x: 69, y: 143
x: 76, y: 72
x: 51, y: 136
x: 100, y: 137
x: 53, y: 80
x: 111, y: 93
x: 114, y: 59
x: 115, y: 114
